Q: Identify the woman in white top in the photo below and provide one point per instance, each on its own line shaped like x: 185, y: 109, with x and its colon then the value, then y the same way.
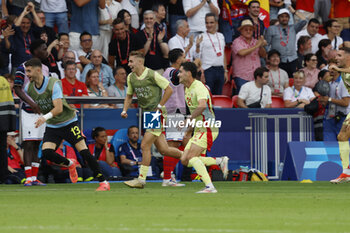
x: 95, y: 88
x: 298, y: 95
x: 106, y: 17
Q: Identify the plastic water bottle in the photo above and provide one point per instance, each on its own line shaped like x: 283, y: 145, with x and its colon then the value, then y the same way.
x: 280, y: 170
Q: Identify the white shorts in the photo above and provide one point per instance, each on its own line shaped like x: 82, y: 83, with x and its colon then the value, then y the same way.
x: 29, y: 132
x: 173, y: 133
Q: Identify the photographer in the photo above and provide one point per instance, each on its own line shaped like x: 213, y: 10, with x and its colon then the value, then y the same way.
x: 337, y: 107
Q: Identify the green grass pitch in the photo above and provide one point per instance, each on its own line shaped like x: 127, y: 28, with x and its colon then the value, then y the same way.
x: 237, y: 207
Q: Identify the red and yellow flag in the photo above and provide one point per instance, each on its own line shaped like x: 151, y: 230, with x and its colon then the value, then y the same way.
x: 233, y: 9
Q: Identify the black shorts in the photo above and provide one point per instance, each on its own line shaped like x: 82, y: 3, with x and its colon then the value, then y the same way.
x: 71, y: 133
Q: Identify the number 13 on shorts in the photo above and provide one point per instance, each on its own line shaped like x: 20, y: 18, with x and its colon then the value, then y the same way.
x: 76, y: 131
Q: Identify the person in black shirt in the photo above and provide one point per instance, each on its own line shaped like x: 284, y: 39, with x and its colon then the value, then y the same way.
x: 176, y: 12
x: 155, y: 47
x: 121, y: 45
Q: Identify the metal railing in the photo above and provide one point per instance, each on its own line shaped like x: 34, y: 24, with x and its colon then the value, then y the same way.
x: 259, y: 144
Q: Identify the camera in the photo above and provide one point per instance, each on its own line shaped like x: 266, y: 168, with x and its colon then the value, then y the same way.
x: 338, y: 116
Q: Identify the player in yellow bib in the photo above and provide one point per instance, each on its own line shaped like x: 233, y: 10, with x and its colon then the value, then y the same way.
x: 206, y: 129
x: 148, y: 85
x: 343, y: 66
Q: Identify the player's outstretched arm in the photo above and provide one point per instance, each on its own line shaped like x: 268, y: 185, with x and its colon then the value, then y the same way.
x: 127, y: 103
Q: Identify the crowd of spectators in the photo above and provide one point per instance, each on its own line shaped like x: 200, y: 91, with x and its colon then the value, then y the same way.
x: 100, y: 34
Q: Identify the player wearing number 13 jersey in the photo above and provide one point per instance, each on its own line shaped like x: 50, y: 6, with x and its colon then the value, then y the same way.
x: 61, y: 122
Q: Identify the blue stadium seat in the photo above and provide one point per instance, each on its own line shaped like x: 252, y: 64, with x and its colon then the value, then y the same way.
x: 120, y: 137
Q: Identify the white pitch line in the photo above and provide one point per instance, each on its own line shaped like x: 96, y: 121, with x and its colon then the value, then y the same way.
x: 127, y: 229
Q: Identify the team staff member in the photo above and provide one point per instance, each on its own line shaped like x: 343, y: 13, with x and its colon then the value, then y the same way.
x: 61, y: 119
x: 8, y: 123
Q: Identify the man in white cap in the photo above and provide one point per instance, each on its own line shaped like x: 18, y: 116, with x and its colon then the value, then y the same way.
x: 282, y: 37
x: 246, y: 53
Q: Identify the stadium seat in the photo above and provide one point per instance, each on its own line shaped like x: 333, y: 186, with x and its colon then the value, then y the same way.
x: 277, y: 102
x: 228, y: 55
x: 222, y: 101
x: 87, y: 134
x: 120, y: 137
x: 230, y: 86
x: 234, y: 101
x: 227, y: 89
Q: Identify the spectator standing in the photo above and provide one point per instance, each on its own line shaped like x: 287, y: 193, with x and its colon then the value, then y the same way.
x: 155, y: 47
x: 196, y: 10
x: 246, y: 53
x: 56, y: 14
x: 84, y: 18
x: 176, y: 12
x: 276, y: 6
x: 299, y: 95
x: 105, y: 72
x: 304, y: 47
x: 282, y: 37
x: 306, y: 8
x: 253, y: 14
x: 51, y: 34
x: 310, y: 70
x: 133, y: 11
x: 210, y: 49
x: 181, y: 41
x: 19, y: 43
x: 322, y: 9
x: 333, y: 29
x: 126, y: 18
x: 118, y: 89
x: 106, y: 17
x: 311, y: 31
x: 5, y: 45
x: 256, y: 94
x: 160, y: 13
x: 278, y: 78
x: 121, y: 45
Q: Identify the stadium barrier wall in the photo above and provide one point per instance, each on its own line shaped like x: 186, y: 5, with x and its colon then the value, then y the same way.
x: 317, y: 161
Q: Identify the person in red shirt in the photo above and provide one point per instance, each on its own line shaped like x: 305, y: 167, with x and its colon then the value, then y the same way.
x: 14, y: 160
x: 71, y: 86
x: 104, y: 153
x: 306, y: 8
